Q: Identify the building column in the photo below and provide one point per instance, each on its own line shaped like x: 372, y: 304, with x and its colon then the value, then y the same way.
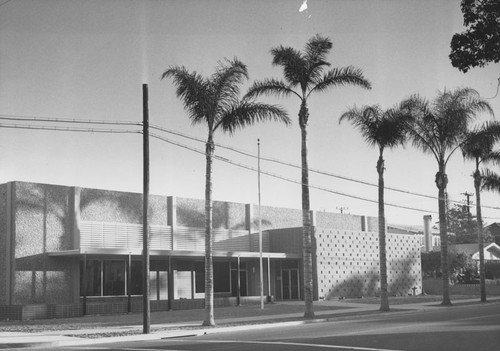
x: 249, y: 224
x: 172, y: 218
x: 75, y: 220
x: 10, y: 239
x: 427, y: 233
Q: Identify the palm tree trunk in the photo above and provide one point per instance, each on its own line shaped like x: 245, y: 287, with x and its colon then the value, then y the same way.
x: 441, y: 182
x: 482, y: 271
x: 306, y: 217
x: 384, y: 298
x: 209, y: 319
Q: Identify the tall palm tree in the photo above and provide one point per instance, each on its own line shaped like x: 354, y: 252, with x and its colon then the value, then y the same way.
x: 215, y: 101
x: 479, y: 148
x: 439, y: 127
x: 383, y: 129
x: 305, y: 72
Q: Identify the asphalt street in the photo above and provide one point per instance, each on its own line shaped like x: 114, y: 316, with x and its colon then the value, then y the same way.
x: 475, y: 327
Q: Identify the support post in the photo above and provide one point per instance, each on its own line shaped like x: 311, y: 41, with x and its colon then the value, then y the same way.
x: 238, y: 296
x: 145, y: 226
x: 84, y: 284
x: 129, y: 283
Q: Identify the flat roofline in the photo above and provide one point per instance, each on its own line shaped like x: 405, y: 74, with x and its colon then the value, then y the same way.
x: 173, y: 253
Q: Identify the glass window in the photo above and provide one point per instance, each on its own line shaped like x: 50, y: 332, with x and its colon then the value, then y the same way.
x: 199, y: 271
x: 114, y: 278
x: 222, y: 278
x: 135, y: 280
x: 93, y: 278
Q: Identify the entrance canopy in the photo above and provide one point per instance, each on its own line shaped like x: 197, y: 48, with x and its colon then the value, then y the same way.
x: 173, y: 253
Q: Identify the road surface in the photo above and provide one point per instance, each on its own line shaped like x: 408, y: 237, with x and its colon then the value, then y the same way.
x: 473, y: 327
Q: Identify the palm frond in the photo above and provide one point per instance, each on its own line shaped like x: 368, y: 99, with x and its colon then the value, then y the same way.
x: 248, y: 113
x: 342, y: 76
x: 270, y: 87
x: 193, y: 90
x: 491, y: 180
x: 478, y: 143
x: 227, y: 79
x: 317, y: 48
x: 293, y: 63
x: 386, y: 129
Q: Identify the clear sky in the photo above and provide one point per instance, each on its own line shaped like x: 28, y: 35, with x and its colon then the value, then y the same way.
x: 88, y: 60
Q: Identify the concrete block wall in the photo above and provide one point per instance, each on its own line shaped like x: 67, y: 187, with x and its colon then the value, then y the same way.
x: 348, y: 264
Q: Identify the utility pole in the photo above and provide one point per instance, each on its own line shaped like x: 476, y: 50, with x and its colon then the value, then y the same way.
x: 145, y: 228
x: 468, y: 195
x: 342, y: 209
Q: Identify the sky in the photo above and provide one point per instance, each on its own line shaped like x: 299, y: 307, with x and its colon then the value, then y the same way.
x: 88, y: 60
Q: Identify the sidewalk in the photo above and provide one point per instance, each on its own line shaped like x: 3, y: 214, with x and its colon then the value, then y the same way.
x: 90, y: 330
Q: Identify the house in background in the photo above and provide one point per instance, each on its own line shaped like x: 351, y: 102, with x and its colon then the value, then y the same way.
x: 68, y: 251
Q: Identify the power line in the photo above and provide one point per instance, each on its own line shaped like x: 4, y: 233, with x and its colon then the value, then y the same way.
x: 96, y: 130
x: 223, y: 159
x: 249, y: 154
x: 68, y: 129
x: 64, y: 120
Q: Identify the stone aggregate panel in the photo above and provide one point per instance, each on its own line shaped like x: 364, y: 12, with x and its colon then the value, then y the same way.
x: 121, y: 207
x: 348, y: 263
x: 43, y: 224
x: 276, y: 217
x: 225, y: 215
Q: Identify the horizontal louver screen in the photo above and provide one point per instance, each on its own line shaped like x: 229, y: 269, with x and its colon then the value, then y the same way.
x: 187, y: 238
x: 123, y: 235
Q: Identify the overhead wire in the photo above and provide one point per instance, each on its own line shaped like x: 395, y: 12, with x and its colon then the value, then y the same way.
x: 123, y: 131
x: 64, y: 120
x: 223, y: 159
x: 69, y: 129
x: 313, y: 170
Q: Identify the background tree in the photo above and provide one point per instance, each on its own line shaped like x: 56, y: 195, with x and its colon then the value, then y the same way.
x: 479, y: 149
x: 480, y: 43
x: 383, y: 129
x: 215, y: 102
x: 461, y: 225
x: 304, y: 73
x: 440, y: 127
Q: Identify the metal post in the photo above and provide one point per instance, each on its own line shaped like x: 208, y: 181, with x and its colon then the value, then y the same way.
x: 170, y: 284
x: 238, y: 296
x: 145, y: 227
x: 129, y: 283
x: 269, y: 278
x: 85, y: 284
x: 260, y: 234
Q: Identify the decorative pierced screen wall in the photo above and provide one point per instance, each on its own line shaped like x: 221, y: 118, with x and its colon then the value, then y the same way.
x: 348, y: 263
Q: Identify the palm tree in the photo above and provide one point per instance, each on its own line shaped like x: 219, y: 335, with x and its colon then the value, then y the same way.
x: 479, y: 148
x: 440, y: 128
x: 215, y: 101
x: 304, y: 73
x: 383, y: 129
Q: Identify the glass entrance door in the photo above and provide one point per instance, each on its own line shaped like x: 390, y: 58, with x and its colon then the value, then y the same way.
x: 290, y: 284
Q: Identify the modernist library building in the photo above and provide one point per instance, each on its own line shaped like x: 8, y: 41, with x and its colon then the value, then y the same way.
x: 69, y: 251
